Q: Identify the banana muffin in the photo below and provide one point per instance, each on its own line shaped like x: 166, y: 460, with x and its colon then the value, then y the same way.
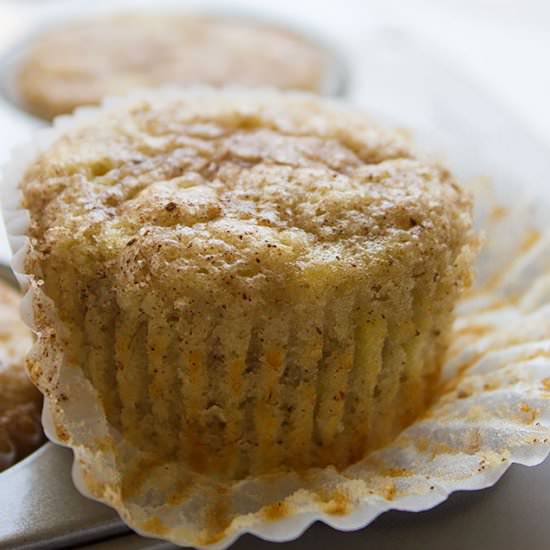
x: 20, y: 401
x: 81, y: 62
x: 250, y: 281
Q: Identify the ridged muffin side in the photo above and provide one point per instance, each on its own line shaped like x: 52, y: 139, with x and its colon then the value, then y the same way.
x: 250, y: 281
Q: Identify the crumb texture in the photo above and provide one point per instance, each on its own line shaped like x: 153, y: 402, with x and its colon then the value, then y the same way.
x: 83, y: 61
x: 250, y: 281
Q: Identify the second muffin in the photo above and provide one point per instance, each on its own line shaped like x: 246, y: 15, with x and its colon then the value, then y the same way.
x: 79, y: 63
x: 20, y: 402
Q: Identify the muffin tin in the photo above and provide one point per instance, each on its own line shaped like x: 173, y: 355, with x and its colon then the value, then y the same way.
x: 39, y: 507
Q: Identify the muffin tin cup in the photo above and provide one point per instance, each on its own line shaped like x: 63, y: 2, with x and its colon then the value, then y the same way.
x: 493, y: 408
x: 336, y: 82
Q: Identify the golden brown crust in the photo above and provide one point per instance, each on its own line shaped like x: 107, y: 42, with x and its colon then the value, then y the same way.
x: 283, y: 183
x: 80, y: 63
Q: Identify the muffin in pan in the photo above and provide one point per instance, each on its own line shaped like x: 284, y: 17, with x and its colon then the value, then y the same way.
x: 20, y: 401
x: 79, y: 63
x: 250, y: 281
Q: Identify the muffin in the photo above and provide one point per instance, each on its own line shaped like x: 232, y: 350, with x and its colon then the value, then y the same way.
x: 251, y: 282
x: 81, y: 62
x: 20, y: 401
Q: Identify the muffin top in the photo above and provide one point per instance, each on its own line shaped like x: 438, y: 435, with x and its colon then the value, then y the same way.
x: 236, y: 189
x: 80, y: 63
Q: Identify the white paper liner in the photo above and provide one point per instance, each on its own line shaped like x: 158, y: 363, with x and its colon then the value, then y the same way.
x: 494, y: 409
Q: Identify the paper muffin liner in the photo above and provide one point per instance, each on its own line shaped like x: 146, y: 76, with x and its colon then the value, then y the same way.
x: 493, y: 408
